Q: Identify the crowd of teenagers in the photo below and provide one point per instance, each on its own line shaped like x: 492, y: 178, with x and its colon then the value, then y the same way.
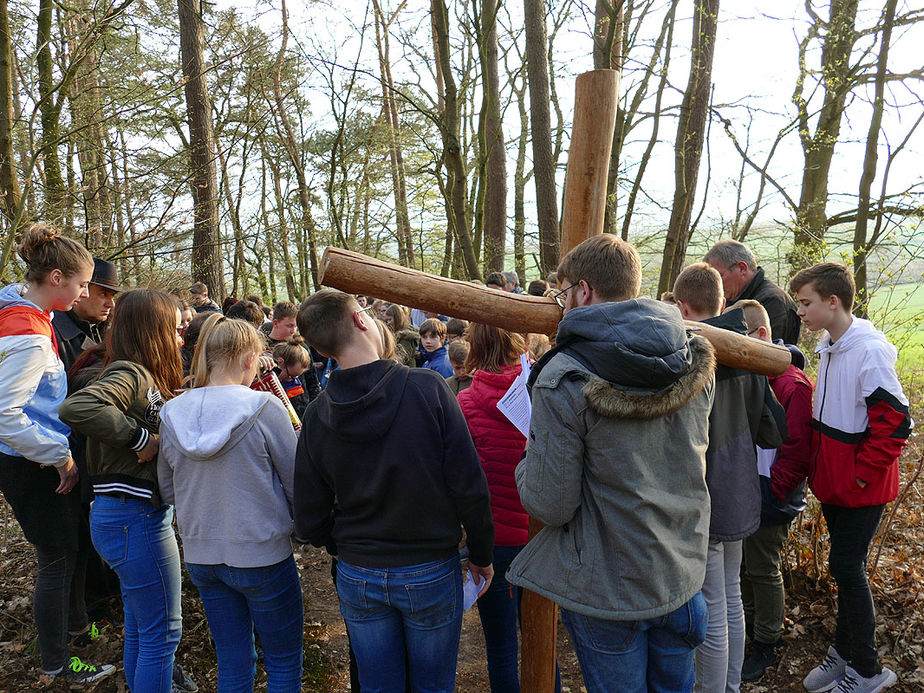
x: 667, y: 483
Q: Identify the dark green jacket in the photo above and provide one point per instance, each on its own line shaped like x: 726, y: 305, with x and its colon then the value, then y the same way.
x: 118, y: 414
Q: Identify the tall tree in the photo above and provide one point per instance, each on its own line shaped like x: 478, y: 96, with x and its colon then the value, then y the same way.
x: 609, y: 27
x: 449, y: 125
x: 393, y: 132
x: 493, y: 151
x: 837, y: 79
x: 861, y: 243
x: 50, y: 109
x: 544, y: 161
x: 688, y: 145
x: 206, y: 251
x: 9, y: 185
x: 287, y: 133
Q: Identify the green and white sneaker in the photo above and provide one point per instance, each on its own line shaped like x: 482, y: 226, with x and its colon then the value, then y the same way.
x: 76, y: 672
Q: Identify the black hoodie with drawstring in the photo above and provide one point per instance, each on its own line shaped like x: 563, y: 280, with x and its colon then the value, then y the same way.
x: 386, y: 473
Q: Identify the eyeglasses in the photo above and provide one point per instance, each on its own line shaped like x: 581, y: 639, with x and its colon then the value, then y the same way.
x: 559, y: 296
x: 752, y: 331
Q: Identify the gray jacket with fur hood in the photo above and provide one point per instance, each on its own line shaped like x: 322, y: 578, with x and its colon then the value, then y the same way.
x: 615, y: 465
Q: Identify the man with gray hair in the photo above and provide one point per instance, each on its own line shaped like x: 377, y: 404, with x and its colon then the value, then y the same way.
x: 513, y: 282
x: 743, y: 279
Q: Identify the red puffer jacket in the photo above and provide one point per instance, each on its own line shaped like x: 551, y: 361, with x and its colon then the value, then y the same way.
x: 500, y: 446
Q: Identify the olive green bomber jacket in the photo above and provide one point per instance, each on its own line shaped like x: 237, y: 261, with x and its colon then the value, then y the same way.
x: 118, y: 414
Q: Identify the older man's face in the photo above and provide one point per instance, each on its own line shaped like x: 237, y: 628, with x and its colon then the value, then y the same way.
x: 95, y: 307
x: 734, y: 278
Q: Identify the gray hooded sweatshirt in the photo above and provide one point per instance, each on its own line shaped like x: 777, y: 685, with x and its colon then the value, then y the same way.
x: 227, y: 461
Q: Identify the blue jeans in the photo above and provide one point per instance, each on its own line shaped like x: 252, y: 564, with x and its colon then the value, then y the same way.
x: 499, y: 610
x: 653, y: 655
x: 236, y: 601
x: 413, y: 614
x: 138, y: 543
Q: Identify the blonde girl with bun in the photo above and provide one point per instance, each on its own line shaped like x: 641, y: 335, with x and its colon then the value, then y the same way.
x: 227, y: 462
x: 37, y: 471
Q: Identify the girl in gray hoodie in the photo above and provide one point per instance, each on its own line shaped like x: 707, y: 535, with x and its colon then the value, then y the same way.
x: 227, y: 462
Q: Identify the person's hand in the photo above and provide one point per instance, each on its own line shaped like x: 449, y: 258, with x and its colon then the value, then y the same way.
x: 266, y: 363
x: 149, y: 451
x: 68, y: 476
x: 861, y: 483
x: 486, y: 574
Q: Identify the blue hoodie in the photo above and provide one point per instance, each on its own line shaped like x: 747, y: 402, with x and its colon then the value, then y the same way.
x: 33, y: 382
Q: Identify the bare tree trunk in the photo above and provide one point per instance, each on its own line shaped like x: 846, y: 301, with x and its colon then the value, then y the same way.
x: 50, y: 112
x: 268, y: 236
x: 818, y: 148
x: 544, y: 160
x: 9, y: 185
x: 665, y: 41
x: 206, y: 255
x: 288, y: 136
x: 609, y: 18
x: 688, y: 146
x: 519, y: 187
x: 393, y: 130
x: 861, y: 244
x: 117, y: 192
x: 494, y: 151
x: 452, y: 148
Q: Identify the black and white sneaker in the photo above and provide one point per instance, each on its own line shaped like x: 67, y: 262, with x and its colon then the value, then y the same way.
x: 76, y: 672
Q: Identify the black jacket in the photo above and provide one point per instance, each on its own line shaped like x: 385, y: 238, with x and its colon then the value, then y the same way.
x: 386, y: 470
x: 74, y: 335
x: 784, y: 321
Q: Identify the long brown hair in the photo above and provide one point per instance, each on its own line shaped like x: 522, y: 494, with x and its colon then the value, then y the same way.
x: 144, y: 331
x: 492, y: 348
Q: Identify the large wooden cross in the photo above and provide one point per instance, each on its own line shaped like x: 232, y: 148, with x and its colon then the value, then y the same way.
x: 582, y: 217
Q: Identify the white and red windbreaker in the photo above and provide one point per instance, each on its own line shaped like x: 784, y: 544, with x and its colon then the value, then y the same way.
x: 860, y: 419
x: 32, y: 382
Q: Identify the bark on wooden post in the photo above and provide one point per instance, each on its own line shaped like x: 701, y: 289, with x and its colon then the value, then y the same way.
x: 596, y: 98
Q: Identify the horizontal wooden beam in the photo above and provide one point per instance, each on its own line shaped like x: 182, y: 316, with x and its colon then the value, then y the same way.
x: 356, y: 273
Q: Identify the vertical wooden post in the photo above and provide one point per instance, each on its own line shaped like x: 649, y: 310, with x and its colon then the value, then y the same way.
x: 583, y: 210
x: 584, y: 207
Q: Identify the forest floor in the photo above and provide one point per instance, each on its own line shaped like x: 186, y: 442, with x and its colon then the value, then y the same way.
x: 896, y: 567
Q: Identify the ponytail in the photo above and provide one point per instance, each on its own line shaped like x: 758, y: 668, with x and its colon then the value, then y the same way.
x: 44, y: 249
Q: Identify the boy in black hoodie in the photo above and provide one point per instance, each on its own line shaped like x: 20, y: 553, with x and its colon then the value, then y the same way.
x: 385, y: 474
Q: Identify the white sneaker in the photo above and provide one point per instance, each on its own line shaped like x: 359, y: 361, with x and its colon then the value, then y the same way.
x: 854, y: 683
x: 826, y: 675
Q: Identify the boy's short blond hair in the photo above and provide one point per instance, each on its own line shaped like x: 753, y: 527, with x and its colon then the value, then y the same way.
x: 610, y: 265
x: 433, y: 326
x: 325, y: 320
x: 700, y: 287
x: 827, y: 279
x: 755, y: 315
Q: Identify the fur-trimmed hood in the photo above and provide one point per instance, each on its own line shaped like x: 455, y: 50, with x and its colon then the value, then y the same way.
x: 608, y: 400
x: 637, y: 357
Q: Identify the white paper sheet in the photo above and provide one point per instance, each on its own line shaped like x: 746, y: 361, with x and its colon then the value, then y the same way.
x: 470, y: 590
x: 515, y: 404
